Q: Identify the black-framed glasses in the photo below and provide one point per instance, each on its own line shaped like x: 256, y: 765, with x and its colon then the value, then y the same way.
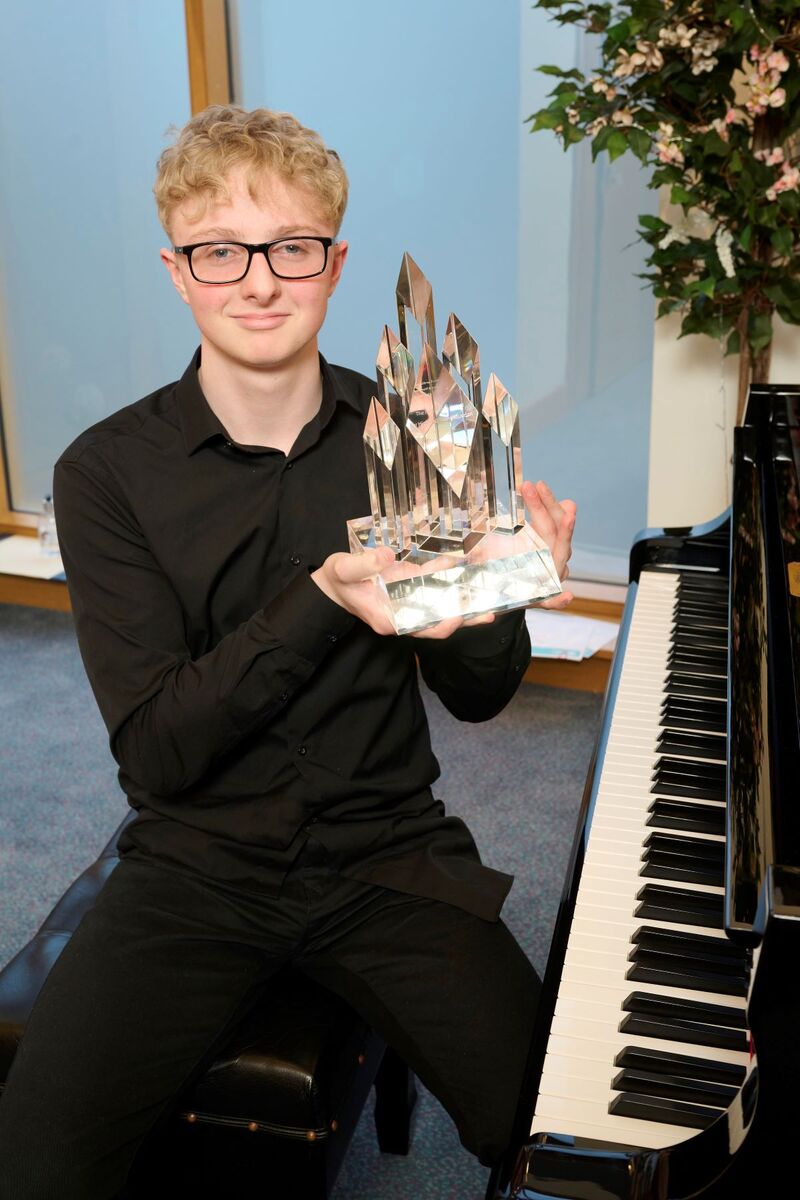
x: 228, y: 262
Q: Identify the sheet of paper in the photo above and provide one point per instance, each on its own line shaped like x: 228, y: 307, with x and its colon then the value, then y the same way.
x: 21, y: 556
x: 561, y: 635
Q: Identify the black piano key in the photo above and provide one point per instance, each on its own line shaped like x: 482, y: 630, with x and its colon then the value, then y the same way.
x: 681, y: 777
x: 643, y: 1058
x: 697, y: 606
x: 677, y: 684
x: 679, y: 906
x: 663, y: 866
x: 712, y: 662
x: 693, y: 1033
x: 710, y: 612
x: 696, y: 849
x: 677, y: 941
x: 673, y: 972
x: 692, y: 635
x: 691, y: 713
x: 671, y: 785
x: 697, y: 745
x: 682, y: 1008
x: 666, y: 1112
x: 694, y: 818
x: 686, y: 957
x: 673, y: 1087
x: 708, y: 706
x: 701, y: 623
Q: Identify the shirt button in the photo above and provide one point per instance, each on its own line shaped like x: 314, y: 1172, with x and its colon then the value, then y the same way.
x: 289, y: 466
x: 312, y: 820
x: 503, y: 641
x: 333, y: 637
x: 284, y: 696
x: 302, y: 750
x: 295, y: 560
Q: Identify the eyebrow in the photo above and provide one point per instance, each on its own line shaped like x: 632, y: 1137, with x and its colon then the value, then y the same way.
x: 218, y: 231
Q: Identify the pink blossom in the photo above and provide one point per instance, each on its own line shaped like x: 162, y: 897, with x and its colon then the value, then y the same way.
x: 777, y: 98
x: 778, y: 61
x: 771, y: 194
x: 732, y: 116
x: 775, y: 157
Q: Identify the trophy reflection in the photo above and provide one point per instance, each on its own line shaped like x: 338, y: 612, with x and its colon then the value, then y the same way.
x: 444, y: 469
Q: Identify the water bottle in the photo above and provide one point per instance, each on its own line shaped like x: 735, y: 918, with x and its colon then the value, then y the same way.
x: 48, y: 537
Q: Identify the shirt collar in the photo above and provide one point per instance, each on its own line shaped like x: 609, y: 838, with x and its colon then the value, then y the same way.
x: 200, y: 423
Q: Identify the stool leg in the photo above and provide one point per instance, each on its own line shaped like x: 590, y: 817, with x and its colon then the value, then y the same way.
x: 395, y: 1097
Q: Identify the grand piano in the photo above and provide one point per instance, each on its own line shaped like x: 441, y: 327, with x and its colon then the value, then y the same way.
x: 666, y: 1058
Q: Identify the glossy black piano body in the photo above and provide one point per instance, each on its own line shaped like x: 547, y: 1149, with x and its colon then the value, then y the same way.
x: 755, y: 547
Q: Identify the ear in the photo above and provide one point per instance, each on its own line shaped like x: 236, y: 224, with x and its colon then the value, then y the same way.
x: 339, y: 255
x: 169, y: 259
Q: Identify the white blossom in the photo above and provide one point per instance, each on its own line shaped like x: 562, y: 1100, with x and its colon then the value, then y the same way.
x: 723, y: 242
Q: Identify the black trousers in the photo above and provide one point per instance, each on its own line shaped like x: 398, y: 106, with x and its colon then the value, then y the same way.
x: 164, y: 963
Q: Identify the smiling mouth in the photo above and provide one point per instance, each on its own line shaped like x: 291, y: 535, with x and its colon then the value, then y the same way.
x: 260, y: 320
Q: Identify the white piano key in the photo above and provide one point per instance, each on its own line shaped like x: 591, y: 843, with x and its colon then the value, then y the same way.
x: 554, y: 1108
x: 591, y: 1039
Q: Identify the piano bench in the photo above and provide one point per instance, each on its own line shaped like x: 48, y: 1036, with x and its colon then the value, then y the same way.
x: 273, y: 1112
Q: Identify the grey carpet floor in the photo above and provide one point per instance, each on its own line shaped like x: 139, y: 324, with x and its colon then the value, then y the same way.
x: 516, y: 780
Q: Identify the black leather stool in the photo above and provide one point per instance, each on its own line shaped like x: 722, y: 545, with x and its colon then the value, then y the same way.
x: 273, y: 1113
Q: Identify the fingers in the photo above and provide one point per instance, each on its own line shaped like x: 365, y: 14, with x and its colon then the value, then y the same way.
x: 562, y: 600
x: 445, y: 629
x: 352, y: 568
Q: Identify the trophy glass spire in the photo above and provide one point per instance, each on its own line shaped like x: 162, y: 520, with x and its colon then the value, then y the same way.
x: 436, y: 451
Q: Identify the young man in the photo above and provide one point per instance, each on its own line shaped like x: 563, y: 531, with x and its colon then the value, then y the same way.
x: 266, y: 721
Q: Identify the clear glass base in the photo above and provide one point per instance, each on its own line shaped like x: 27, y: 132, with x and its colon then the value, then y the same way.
x: 506, y: 569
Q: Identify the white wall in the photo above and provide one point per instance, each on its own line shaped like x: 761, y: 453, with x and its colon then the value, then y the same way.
x: 695, y: 392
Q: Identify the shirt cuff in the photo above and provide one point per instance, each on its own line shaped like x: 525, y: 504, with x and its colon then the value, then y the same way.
x: 305, y: 620
x: 481, y: 641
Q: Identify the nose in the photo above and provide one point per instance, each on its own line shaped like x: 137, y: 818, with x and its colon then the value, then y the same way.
x: 259, y: 282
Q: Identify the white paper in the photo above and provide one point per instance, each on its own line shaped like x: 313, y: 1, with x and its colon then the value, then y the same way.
x: 21, y: 555
x: 561, y: 635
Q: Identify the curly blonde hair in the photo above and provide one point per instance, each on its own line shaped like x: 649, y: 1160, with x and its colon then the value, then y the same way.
x: 224, y: 137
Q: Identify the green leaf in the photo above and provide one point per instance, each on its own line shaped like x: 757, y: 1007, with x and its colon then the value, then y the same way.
x: 653, y: 223
x: 562, y: 74
x: 572, y: 134
x: 617, y: 144
x: 782, y: 240
x: 640, y: 143
x: 546, y: 119
x: 715, y: 145
x: 745, y: 236
x: 735, y: 165
x: 679, y: 195
x: 733, y: 344
x: 759, y: 330
x: 618, y: 33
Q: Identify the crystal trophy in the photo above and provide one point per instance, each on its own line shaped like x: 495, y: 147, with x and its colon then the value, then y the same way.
x: 444, y: 469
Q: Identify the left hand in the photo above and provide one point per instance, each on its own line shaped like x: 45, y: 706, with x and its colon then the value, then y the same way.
x: 554, y: 521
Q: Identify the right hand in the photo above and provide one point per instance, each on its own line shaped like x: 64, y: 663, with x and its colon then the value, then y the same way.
x: 350, y: 581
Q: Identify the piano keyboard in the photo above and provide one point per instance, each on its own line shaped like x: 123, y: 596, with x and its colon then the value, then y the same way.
x: 648, y: 1041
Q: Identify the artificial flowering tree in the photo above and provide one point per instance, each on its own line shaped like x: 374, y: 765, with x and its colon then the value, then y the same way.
x: 707, y: 95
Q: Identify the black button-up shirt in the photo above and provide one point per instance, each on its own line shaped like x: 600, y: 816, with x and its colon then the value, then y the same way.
x: 243, y: 706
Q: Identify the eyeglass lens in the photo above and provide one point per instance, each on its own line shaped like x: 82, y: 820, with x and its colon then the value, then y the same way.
x: 225, y: 262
